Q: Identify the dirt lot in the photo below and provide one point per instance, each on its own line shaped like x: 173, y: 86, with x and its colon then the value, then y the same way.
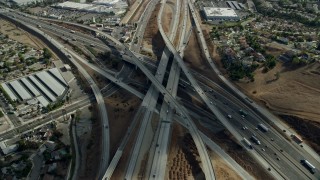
x: 222, y: 170
x: 132, y: 7
x: 19, y: 35
x: 167, y: 17
x: 152, y: 38
x: 194, y: 59
x: 121, y: 108
x: 183, y: 158
x: 296, y: 92
x: 139, y: 11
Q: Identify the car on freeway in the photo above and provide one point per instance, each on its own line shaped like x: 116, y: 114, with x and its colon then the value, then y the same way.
x: 244, y: 127
x: 243, y: 113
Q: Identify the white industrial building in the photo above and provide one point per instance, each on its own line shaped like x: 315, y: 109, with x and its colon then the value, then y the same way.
x: 44, y: 87
x: 19, y: 90
x: 55, y: 87
x: 213, y: 13
x: 99, y: 6
x: 9, y: 92
x: 30, y: 87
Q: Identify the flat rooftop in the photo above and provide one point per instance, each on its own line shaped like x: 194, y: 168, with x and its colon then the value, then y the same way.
x: 219, y: 12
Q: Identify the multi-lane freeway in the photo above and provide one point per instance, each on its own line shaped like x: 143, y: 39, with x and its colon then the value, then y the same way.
x: 136, y: 43
x: 289, y: 154
x: 161, y: 142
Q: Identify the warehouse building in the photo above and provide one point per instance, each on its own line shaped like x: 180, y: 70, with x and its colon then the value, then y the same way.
x: 57, y: 75
x: 43, y: 101
x: 52, y: 85
x: 29, y: 87
x: 44, y: 87
x: 9, y: 92
x: 20, y: 91
x: 212, y: 13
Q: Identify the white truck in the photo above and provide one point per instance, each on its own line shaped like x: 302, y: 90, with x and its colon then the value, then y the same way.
x: 247, y: 142
x: 308, y: 165
x: 255, y: 139
x: 263, y: 127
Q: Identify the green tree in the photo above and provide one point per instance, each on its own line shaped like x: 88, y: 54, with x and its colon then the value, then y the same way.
x: 295, y: 61
x: 270, y: 62
x: 46, y: 53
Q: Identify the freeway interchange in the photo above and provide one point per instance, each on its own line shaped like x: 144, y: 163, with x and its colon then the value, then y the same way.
x: 274, y: 152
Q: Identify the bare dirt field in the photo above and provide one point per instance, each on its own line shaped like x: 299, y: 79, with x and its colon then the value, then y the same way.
x: 194, y: 59
x: 296, y: 92
x: 139, y: 11
x: 121, y: 108
x: 133, y: 6
x: 180, y: 24
x: 222, y: 170
x: 276, y: 49
x: 167, y: 17
x: 19, y: 35
x: 152, y: 38
x: 183, y: 158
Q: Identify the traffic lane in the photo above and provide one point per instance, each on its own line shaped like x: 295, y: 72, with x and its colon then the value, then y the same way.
x: 252, y: 118
x: 278, y: 143
x: 281, y: 143
x: 283, y: 162
x: 66, y: 32
x: 223, y: 107
x: 292, y: 174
